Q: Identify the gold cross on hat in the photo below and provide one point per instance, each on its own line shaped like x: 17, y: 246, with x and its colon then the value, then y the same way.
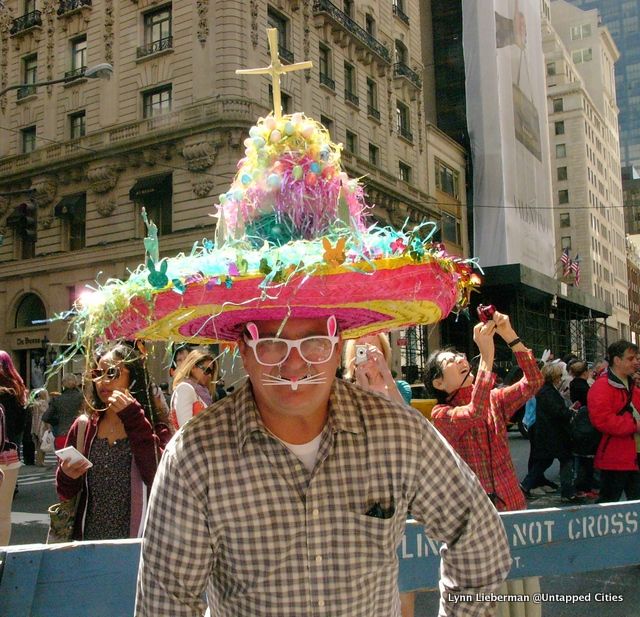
x: 275, y: 69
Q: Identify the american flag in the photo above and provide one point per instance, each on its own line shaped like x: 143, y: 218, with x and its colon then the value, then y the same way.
x: 566, y: 262
x: 575, y: 268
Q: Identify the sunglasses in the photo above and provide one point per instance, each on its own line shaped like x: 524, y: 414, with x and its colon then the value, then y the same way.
x: 110, y: 374
x: 208, y: 370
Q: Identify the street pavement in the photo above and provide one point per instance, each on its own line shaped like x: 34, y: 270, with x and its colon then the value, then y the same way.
x: 37, y: 492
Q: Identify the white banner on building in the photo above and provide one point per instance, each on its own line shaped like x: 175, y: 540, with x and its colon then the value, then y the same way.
x: 507, y: 120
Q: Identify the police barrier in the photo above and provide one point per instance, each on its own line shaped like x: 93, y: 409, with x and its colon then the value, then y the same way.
x: 97, y: 579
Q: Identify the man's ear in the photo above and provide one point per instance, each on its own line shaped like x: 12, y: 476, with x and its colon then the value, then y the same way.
x: 437, y: 383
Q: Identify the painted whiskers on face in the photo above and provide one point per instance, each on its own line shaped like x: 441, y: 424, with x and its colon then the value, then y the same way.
x: 294, y: 382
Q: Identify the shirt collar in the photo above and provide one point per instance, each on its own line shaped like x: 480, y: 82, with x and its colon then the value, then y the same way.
x: 616, y: 382
x: 344, y: 413
x: 462, y: 396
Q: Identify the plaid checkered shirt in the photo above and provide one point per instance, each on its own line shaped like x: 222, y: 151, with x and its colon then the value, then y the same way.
x: 235, y: 514
x: 475, y: 424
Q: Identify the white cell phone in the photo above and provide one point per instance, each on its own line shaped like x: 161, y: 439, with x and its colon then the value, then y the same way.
x: 361, y: 354
x: 73, y: 455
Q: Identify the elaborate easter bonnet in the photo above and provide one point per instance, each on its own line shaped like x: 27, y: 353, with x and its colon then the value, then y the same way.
x: 292, y: 240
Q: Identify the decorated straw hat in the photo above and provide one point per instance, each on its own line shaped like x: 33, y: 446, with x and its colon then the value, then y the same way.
x: 292, y: 240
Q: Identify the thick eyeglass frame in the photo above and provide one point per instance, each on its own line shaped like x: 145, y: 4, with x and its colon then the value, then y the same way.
x: 110, y: 374
x: 291, y: 344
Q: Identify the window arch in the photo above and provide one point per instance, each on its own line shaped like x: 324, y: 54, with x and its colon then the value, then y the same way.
x: 30, y: 308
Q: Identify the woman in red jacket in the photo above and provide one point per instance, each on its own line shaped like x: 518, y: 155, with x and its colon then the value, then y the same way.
x: 122, y: 445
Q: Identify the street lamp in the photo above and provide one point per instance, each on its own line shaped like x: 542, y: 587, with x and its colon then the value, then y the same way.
x: 99, y: 71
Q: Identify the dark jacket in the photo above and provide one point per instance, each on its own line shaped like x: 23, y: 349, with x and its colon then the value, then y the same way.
x: 15, y: 416
x: 63, y: 410
x: 551, y: 438
x: 578, y: 390
x: 609, y: 413
x: 146, y: 449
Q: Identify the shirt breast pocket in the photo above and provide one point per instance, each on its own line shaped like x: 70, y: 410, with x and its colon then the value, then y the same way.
x: 363, y: 544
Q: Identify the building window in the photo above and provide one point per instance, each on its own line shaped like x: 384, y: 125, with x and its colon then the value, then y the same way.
x: 565, y: 219
x: 347, y: 8
x: 559, y: 127
x: 551, y: 68
x: 72, y: 209
x: 582, y: 55
x: 399, y: 11
x: 447, y: 179
x: 155, y: 194
x: 281, y: 24
x: 285, y: 101
x: 404, y: 172
x: 562, y: 173
x: 558, y: 105
x: 350, y: 84
x: 28, y: 138
x: 563, y: 196
x: 78, y: 56
x: 326, y: 67
x: 374, y: 155
x: 29, y: 76
x: 351, y: 143
x: 370, y: 24
x: 328, y: 124
x: 450, y: 228
x: 403, y: 120
x: 372, y: 99
x: 580, y: 32
x: 561, y: 151
x: 565, y: 242
x: 77, y: 124
x: 30, y: 309
x: 156, y: 102
x: 29, y: 6
x: 157, y: 25
x: 401, y: 53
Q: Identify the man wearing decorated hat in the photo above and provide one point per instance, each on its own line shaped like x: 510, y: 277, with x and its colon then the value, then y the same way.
x: 290, y: 497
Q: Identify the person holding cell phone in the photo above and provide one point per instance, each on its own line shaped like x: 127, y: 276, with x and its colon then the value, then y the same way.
x: 367, y: 362
x: 192, y: 386
x: 121, y: 446
x: 473, y: 415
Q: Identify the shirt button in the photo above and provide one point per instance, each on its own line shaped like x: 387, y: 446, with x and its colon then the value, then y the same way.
x: 320, y: 603
x: 318, y: 558
x: 315, y: 513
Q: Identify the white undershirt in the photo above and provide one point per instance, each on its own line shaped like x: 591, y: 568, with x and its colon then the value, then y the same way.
x: 306, y: 452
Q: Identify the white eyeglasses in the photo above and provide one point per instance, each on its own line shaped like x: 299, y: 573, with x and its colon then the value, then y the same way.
x: 312, y: 349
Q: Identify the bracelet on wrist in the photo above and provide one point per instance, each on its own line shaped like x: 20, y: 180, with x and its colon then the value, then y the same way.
x: 514, y: 342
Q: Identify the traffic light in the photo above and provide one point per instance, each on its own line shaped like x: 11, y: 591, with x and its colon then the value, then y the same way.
x: 24, y: 219
x: 29, y: 229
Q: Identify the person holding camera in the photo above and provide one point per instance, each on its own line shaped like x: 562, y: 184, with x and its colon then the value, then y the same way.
x: 473, y: 415
x: 367, y: 362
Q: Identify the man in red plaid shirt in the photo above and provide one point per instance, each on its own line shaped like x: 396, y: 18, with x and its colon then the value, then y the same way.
x: 473, y: 416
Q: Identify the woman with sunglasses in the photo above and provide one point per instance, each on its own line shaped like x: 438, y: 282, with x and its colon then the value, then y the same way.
x: 192, y: 386
x: 121, y: 445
